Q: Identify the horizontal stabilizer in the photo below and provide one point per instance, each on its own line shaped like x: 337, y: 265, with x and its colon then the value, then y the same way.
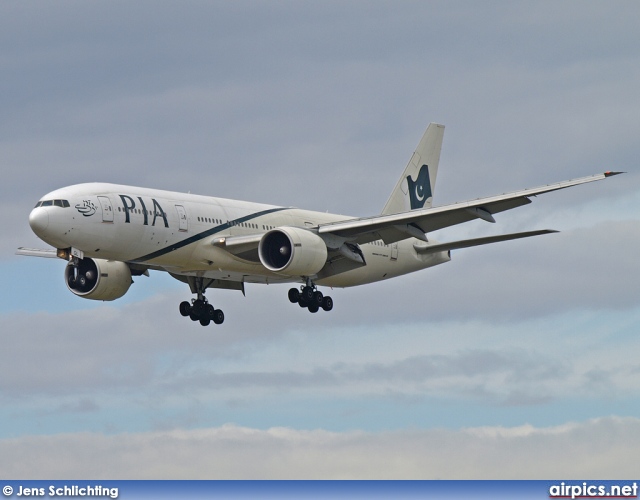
x: 49, y: 253
x: 455, y: 245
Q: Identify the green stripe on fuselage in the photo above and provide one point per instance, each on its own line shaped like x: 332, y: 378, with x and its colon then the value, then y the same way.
x: 204, y: 234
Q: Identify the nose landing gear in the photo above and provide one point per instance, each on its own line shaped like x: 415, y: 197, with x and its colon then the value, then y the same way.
x: 311, y: 298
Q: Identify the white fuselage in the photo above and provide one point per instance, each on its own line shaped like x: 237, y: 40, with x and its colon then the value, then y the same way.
x: 176, y: 232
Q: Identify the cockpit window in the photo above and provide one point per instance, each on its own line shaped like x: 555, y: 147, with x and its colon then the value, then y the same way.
x: 53, y: 203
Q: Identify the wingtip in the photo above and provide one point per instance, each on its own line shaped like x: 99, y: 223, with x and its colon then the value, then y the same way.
x: 611, y: 174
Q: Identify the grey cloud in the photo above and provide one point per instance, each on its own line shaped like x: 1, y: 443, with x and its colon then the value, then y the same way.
x: 81, y: 353
x: 82, y: 405
x: 580, y: 269
x: 199, y: 89
x: 319, y: 106
x: 85, y: 350
x: 585, y: 269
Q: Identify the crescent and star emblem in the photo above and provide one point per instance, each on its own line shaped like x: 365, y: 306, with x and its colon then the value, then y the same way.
x: 420, y: 189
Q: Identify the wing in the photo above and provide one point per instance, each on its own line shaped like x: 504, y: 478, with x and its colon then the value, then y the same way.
x: 35, y: 252
x: 416, y: 223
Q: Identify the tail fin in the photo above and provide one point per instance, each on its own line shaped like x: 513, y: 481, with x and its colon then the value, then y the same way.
x: 416, y: 186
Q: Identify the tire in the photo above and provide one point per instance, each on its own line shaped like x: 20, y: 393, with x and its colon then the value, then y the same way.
x: 218, y: 317
x: 313, y: 308
x: 317, y: 298
x: 199, y: 308
x: 307, y: 294
x: 302, y: 303
x: 205, y: 321
x: 210, y: 312
x: 294, y: 295
x: 327, y: 303
x: 185, y: 308
x: 193, y: 317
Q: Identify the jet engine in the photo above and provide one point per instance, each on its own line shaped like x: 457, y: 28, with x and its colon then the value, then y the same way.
x: 98, y: 279
x: 292, y: 251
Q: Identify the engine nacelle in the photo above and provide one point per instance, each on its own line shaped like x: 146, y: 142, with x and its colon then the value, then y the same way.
x: 292, y: 251
x: 98, y: 279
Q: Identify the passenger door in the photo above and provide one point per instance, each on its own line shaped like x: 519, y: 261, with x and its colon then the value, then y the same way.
x: 183, y: 222
x: 394, y: 251
x: 107, y: 208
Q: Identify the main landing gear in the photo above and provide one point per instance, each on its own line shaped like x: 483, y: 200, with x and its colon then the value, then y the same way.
x: 199, y: 309
x: 311, y: 298
x: 202, y: 311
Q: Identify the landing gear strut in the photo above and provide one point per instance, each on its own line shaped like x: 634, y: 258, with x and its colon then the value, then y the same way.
x: 310, y: 297
x: 199, y: 309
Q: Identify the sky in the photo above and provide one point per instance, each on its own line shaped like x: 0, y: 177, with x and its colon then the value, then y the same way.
x: 513, y: 361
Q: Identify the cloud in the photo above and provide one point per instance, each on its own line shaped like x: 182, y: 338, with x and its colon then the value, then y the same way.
x: 604, y: 448
x: 590, y: 268
x: 114, y: 362
x: 319, y: 106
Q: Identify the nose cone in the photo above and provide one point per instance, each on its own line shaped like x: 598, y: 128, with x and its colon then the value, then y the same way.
x: 39, y: 221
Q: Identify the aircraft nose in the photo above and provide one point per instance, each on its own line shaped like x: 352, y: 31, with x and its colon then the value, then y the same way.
x: 39, y: 220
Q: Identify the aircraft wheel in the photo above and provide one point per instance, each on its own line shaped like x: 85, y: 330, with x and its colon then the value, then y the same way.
x: 313, y: 308
x: 205, y: 321
x: 302, y: 303
x: 317, y: 298
x: 194, y: 317
x: 218, y: 317
x: 294, y: 295
x: 199, y: 307
x: 327, y: 303
x: 185, y: 308
x: 307, y: 294
x: 209, y: 311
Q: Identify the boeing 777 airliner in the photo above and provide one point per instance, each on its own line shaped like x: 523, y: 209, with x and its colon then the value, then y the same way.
x: 108, y: 233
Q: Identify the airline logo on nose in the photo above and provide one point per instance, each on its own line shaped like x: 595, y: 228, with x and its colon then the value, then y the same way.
x: 420, y: 189
x: 87, y: 208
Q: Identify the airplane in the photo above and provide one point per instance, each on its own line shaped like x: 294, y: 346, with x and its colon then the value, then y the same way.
x: 109, y: 233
